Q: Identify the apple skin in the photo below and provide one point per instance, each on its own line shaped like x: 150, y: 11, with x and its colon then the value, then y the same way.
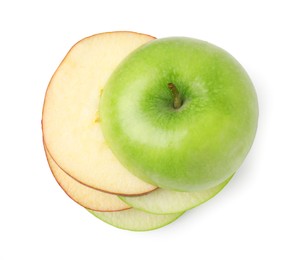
x: 196, y: 146
x: 136, y: 220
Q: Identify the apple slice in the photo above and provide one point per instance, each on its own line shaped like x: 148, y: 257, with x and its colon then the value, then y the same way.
x: 136, y: 220
x: 163, y: 201
x: 71, y: 122
x: 83, y: 195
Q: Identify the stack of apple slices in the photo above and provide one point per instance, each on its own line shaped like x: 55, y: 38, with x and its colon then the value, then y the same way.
x: 77, y: 153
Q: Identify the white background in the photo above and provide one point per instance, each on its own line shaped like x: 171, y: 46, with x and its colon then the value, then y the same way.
x: 252, y: 218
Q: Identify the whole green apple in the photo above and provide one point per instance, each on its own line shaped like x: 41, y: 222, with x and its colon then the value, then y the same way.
x: 180, y: 113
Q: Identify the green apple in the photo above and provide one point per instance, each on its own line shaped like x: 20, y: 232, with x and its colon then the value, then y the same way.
x: 163, y: 201
x: 136, y: 220
x: 180, y: 114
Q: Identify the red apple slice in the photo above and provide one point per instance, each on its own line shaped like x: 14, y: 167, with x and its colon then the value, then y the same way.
x: 70, y: 121
x: 83, y: 195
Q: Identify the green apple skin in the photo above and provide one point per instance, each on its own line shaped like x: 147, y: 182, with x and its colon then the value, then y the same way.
x: 191, y: 148
x: 136, y: 220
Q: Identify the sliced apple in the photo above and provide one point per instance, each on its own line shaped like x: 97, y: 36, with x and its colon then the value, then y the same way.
x: 83, y: 195
x: 163, y: 201
x: 136, y: 220
x: 71, y: 122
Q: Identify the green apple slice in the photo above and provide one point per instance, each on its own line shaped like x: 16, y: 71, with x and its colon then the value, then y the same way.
x: 136, y: 220
x: 83, y: 195
x: 71, y: 122
x: 163, y: 201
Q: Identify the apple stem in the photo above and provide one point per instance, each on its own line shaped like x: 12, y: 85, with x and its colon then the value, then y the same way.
x: 176, y: 95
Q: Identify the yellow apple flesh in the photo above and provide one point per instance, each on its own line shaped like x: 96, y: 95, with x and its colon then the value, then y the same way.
x: 83, y: 195
x: 71, y: 122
